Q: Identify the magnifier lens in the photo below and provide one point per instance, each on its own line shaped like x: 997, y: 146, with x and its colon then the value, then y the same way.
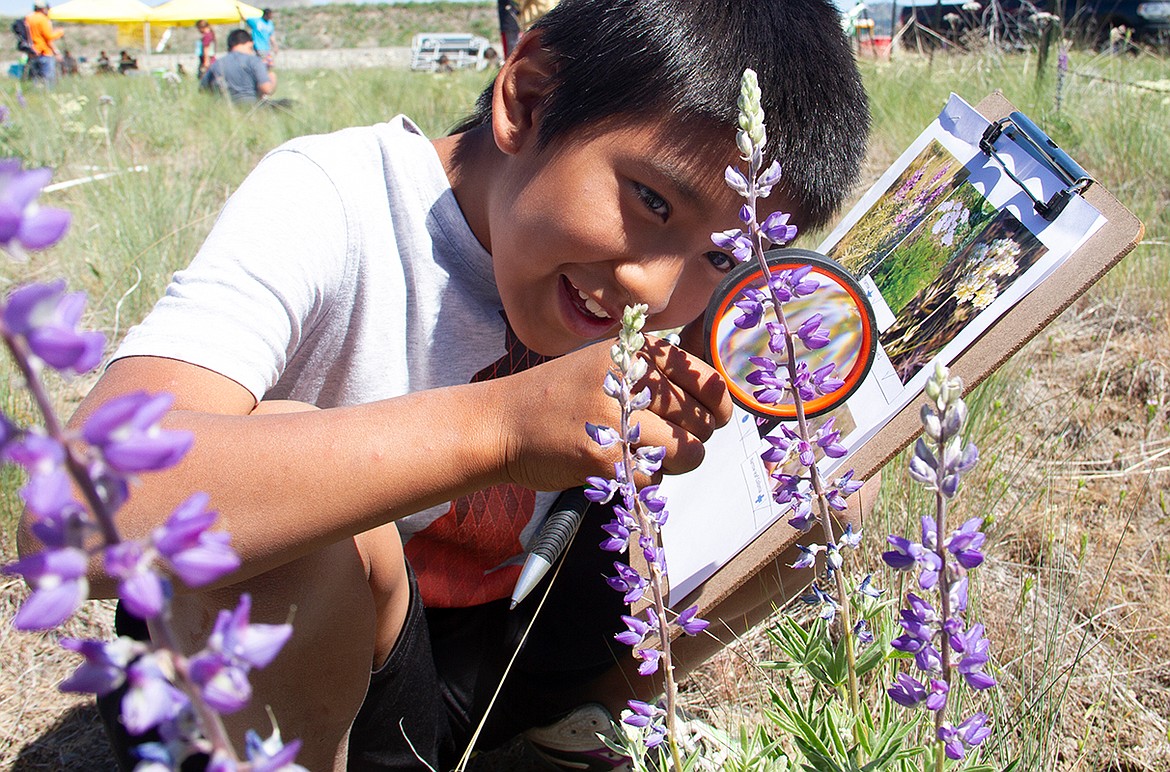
x: 845, y: 316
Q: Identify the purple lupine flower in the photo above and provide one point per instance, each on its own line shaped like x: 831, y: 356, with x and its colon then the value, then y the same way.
x: 627, y: 581
x: 778, y: 450
x: 968, y: 734
x: 928, y: 659
x: 271, y: 754
x: 636, y: 631
x: 804, y: 519
x: 649, y: 717
x: 649, y: 659
x: 734, y: 241
x: 24, y: 224
x: 58, y: 519
x: 965, y: 542
x: 828, y: 440
x: 139, y: 586
x: 937, y: 699
x: 600, y: 490
x: 907, y: 691
x: 59, y: 585
x: 794, y: 283
x: 828, y: 605
x: 604, y: 436
x: 808, y: 556
x: 104, y: 669
x: 197, y: 556
x: 619, y: 537
x: 904, y: 555
x: 811, y: 334
x: 849, y: 538
x: 866, y: 588
x: 689, y: 623
x: 768, y: 179
x: 775, y: 228
x: 773, y: 382
x: 234, y: 647
x: 46, y: 317
x: 648, y: 459
x: 958, y: 595
x: 823, y: 380
x: 751, y: 306
x: 126, y: 430
x: 862, y: 632
x: 736, y: 180
x: 151, y: 698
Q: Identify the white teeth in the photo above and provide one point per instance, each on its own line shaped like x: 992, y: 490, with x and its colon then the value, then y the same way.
x: 595, y: 308
x: 592, y: 305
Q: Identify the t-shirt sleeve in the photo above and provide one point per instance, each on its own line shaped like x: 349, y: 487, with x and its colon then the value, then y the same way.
x: 268, y: 271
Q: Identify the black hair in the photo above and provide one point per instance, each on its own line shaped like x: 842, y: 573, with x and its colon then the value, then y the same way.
x: 238, y: 37
x: 684, y: 58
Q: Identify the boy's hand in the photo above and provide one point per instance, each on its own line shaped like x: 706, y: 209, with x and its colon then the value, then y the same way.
x: 542, y: 431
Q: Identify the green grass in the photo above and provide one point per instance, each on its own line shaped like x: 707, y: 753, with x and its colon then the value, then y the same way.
x: 131, y: 231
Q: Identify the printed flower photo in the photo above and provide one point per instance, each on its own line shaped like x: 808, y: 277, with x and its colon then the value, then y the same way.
x: 920, y: 258
x: 1001, y: 252
x: 911, y: 198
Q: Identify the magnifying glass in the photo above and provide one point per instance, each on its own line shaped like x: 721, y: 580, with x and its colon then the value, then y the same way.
x: 845, y: 314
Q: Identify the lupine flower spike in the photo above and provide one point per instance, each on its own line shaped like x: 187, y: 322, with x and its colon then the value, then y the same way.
x: 179, y: 696
x: 937, y: 635
x: 779, y: 377
x: 638, y: 516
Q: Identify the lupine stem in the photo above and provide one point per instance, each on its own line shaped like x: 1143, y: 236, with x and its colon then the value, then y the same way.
x: 814, y: 474
x: 944, y: 590
x: 656, y: 586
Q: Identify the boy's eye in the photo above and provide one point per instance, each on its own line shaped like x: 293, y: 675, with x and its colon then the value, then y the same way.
x: 720, y: 261
x: 652, y: 201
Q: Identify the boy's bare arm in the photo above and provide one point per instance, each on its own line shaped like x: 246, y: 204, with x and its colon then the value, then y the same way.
x: 287, y: 484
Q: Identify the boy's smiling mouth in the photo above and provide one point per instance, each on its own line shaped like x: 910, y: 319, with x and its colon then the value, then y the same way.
x: 588, y: 317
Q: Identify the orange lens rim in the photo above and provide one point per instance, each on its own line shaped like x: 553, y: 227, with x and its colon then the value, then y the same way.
x: 779, y: 260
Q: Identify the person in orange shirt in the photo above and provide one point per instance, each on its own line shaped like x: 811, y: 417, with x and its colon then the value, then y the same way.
x: 42, y: 34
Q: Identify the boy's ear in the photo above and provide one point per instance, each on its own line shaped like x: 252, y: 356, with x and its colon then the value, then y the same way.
x: 519, y: 93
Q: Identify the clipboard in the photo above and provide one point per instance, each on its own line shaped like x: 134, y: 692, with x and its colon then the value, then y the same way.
x: 736, y: 596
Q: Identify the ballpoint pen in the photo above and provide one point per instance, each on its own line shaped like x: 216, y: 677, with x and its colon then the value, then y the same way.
x: 556, y: 532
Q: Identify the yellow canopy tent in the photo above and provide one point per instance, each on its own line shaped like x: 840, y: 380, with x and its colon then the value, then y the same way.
x: 101, y: 12
x: 190, y: 11
x: 131, y: 16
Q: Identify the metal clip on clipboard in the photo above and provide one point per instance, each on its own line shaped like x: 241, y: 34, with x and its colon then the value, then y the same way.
x: 1020, y: 129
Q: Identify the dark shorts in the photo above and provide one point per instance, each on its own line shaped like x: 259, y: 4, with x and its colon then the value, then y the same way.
x: 430, y: 694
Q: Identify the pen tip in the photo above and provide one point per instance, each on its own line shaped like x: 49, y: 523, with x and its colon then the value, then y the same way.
x: 513, y: 604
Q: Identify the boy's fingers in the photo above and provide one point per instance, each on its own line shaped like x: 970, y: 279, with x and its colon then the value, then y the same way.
x: 685, y: 390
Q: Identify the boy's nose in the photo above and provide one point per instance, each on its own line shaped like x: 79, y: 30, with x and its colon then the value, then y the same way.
x: 650, y: 279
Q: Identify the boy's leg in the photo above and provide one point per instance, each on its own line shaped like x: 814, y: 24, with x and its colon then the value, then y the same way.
x: 317, y: 684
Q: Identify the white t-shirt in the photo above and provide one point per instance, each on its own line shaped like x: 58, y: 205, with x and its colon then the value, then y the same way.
x: 342, y: 272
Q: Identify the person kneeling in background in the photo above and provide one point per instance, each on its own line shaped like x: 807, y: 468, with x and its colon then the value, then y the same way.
x: 240, y: 74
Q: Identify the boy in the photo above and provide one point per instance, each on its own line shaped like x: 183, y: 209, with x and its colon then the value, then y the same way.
x: 346, y: 369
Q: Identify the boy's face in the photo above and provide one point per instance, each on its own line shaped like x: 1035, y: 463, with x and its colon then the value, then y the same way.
x: 619, y: 216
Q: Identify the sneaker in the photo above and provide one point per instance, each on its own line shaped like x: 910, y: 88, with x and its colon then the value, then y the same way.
x: 573, y: 742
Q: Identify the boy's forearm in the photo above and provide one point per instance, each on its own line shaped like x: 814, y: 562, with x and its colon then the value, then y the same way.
x: 286, y: 485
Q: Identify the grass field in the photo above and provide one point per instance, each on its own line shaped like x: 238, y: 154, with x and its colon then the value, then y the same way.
x: 1074, y: 431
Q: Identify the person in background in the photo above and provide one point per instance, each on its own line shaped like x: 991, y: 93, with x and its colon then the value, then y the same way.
x: 103, y: 64
x: 68, y: 64
x: 205, y: 48
x: 240, y: 74
x: 126, y: 62
x: 263, y: 32
x: 43, y: 37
